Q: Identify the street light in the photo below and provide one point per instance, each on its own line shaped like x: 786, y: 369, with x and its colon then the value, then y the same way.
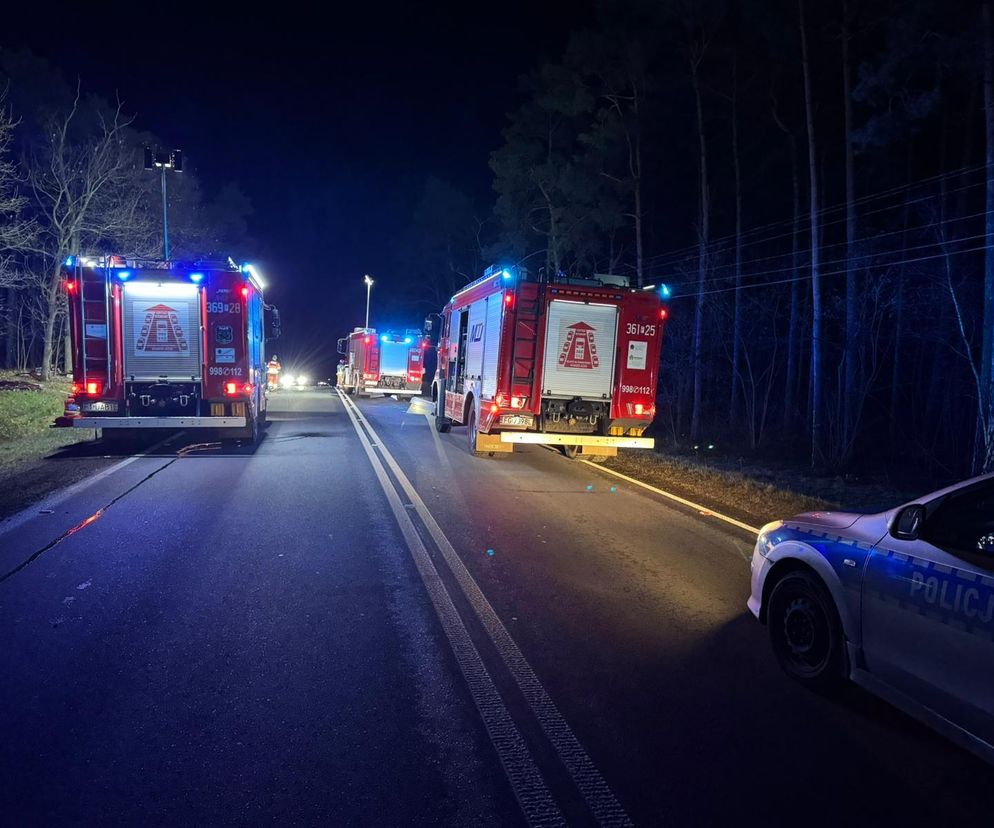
x: 369, y: 288
x: 167, y: 160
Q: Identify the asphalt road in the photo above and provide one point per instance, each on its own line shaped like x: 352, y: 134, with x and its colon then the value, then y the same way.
x: 265, y: 635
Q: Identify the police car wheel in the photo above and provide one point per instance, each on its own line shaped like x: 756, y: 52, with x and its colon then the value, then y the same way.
x: 805, y: 631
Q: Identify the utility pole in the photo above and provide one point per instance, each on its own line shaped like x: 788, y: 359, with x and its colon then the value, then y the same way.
x: 369, y: 288
x: 164, y: 160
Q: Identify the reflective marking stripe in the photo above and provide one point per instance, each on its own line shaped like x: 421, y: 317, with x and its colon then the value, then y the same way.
x: 587, y: 778
x: 526, y: 780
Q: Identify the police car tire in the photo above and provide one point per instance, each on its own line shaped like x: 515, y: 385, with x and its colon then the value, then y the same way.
x: 802, y: 594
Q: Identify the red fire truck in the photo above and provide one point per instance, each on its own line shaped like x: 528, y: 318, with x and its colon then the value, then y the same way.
x: 391, y: 362
x: 567, y: 362
x: 166, y: 345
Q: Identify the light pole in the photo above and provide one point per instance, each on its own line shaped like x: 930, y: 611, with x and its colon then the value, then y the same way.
x: 369, y: 288
x: 166, y: 160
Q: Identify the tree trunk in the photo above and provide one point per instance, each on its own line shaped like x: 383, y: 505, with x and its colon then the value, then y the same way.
x: 737, y: 313
x: 816, y: 320
x: 52, y: 305
x: 702, y: 253
x: 984, y: 455
x: 852, y: 346
x: 10, y: 334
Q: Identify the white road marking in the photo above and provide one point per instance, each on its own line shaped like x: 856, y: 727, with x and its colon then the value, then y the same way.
x: 60, y: 495
x: 703, y: 511
x: 587, y: 778
x: 526, y: 780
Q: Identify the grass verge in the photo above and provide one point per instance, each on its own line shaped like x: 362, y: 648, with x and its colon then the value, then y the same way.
x: 755, y: 494
x: 27, y: 409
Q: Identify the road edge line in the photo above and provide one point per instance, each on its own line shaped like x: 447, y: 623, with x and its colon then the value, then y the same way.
x: 704, y: 511
x: 526, y: 780
x: 58, y: 496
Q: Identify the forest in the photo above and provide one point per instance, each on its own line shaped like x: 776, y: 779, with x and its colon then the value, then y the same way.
x: 814, y: 182
x: 72, y: 180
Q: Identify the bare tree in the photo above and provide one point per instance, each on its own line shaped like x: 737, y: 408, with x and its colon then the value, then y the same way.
x: 816, y: 314
x: 984, y: 456
x: 81, y: 195
x: 16, y: 232
x: 696, y: 57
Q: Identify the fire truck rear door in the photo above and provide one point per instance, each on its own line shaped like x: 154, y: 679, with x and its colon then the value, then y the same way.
x: 579, y: 350
x: 161, y: 324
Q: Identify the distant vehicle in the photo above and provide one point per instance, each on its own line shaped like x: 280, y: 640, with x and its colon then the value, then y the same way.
x: 291, y: 381
x: 571, y: 362
x: 900, y: 602
x: 160, y: 344
x: 390, y: 362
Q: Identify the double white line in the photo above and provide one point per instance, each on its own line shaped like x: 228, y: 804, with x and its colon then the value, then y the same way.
x: 527, y: 782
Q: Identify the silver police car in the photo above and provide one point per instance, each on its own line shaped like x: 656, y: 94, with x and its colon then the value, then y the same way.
x: 900, y: 602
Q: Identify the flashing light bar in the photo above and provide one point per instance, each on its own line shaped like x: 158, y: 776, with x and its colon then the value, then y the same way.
x: 196, y: 278
x: 124, y: 275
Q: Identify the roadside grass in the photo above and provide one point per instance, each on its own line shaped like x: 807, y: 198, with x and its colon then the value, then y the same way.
x: 27, y: 409
x: 739, y: 494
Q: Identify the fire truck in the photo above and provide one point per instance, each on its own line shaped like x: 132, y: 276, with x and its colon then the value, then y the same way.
x: 568, y: 362
x: 159, y: 344
x: 391, y: 362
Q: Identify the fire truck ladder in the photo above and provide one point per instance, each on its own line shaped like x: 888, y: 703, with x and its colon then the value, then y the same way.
x: 524, y: 345
x: 94, y: 313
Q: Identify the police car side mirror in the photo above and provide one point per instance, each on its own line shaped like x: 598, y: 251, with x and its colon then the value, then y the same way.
x: 908, y: 522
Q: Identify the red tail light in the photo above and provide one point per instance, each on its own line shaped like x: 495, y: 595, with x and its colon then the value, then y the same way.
x: 70, y: 286
x: 494, y: 408
x: 509, y: 299
x: 639, y: 408
x: 231, y: 388
x: 76, y: 387
x: 245, y: 291
x: 368, y: 339
x: 664, y: 314
x: 93, y: 389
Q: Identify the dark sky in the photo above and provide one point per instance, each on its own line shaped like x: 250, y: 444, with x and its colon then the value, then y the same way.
x: 329, y: 116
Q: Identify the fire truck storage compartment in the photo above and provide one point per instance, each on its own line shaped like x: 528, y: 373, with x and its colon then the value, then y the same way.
x: 393, y: 358
x: 161, y: 325
x: 491, y: 343
x: 579, y: 350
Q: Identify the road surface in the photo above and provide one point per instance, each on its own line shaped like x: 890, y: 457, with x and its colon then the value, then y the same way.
x: 356, y: 622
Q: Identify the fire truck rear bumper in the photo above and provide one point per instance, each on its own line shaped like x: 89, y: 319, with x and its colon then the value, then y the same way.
x: 575, y: 440
x: 156, y: 422
x: 400, y: 392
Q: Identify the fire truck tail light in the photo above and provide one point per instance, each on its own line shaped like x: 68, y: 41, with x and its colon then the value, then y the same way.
x: 509, y: 299
x: 245, y: 291
x: 494, y: 408
x: 664, y: 314
x: 368, y: 339
x: 231, y: 388
x: 518, y: 402
x: 71, y: 286
x: 75, y: 388
x: 93, y: 388
x: 639, y: 408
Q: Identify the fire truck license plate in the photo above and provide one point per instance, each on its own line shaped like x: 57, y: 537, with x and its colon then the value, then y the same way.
x: 100, y: 406
x: 513, y: 420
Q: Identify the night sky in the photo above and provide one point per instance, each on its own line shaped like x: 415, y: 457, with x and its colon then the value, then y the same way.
x: 330, y: 121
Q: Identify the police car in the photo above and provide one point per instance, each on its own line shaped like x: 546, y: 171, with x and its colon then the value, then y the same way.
x: 900, y: 602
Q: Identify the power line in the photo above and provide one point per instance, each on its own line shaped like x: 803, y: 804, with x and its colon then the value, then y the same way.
x: 804, y: 219
x: 858, y: 256
x: 833, y: 273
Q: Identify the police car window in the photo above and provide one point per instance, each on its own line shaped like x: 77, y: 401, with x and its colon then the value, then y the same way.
x: 962, y: 520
